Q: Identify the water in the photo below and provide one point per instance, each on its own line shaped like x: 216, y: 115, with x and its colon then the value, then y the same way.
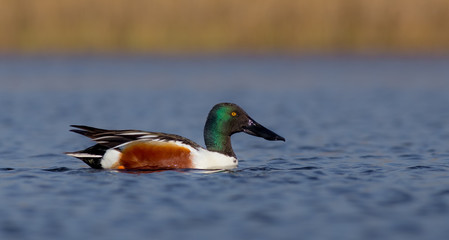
x: 366, y: 156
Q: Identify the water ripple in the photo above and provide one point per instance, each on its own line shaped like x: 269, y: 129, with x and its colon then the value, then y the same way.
x: 373, y: 156
x: 59, y: 169
x: 307, y: 148
x: 420, y: 167
x: 443, y: 193
x: 6, y: 169
x: 308, y: 158
x: 411, y: 156
x: 395, y: 197
x: 304, y: 168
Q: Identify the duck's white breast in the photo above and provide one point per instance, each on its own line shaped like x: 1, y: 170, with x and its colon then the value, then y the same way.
x: 204, y: 159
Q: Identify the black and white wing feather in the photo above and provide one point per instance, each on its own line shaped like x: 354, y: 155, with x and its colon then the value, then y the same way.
x: 116, y: 138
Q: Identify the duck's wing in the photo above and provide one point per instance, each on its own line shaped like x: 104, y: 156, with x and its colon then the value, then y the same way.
x: 117, y: 138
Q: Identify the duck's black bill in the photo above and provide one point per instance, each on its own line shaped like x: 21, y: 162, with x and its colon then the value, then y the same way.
x: 255, y: 129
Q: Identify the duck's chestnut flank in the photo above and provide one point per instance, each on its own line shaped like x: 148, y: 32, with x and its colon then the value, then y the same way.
x: 155, y: 155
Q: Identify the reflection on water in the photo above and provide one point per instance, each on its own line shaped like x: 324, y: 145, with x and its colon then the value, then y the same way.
x: 366, y: 156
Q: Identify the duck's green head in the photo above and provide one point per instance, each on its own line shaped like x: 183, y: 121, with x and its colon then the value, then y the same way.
x: 226, y: 119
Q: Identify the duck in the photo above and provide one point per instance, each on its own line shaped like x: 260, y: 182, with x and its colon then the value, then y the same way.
x: 142, y: 150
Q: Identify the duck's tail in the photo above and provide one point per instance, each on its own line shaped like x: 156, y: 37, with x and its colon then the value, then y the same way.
x: 92, y: 156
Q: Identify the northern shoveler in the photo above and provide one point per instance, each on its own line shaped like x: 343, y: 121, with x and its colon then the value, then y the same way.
x: 133, y: 149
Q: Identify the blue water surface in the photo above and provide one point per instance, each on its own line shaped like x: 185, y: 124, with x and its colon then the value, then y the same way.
x: 366, y: 156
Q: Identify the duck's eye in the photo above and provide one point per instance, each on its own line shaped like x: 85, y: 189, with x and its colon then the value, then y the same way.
x: 233, y: 114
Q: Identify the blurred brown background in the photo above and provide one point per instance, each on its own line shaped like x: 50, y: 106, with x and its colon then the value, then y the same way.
x: 184, y: 26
